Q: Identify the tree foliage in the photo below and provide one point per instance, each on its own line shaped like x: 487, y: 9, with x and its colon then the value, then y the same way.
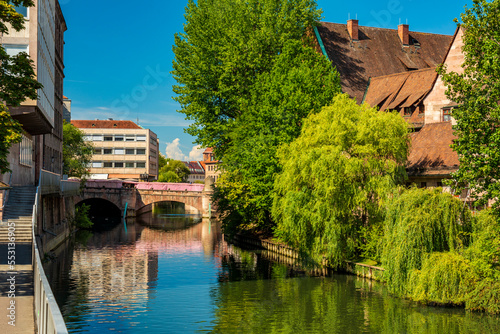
x: 173, y: 171
x: 419, y: 222
x: 77, y: 153
x: 477, y: 92
x: 336, y: 175
x: 10, y: 133
x: 17, y: 80
x: 301, y: 82
x: 225, y: 46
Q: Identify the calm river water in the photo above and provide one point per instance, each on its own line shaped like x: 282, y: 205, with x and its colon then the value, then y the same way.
x: 175, y: 274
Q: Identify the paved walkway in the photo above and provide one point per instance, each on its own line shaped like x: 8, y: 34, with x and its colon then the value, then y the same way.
x: 22, y: 288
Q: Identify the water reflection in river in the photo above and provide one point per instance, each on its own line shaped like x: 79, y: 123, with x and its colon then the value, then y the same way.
x: 178, y: 275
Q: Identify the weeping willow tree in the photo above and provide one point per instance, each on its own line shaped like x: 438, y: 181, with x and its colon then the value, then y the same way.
x: 335, y: 176
x: 419, y: 222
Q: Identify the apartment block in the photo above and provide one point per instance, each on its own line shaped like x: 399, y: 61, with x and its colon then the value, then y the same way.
x: 41, y: 119
x: 123, y: 150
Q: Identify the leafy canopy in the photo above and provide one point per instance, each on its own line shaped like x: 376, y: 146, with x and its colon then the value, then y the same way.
x: 77, y: 153
x: 173, y: 171
x: 225, y: 46
x: 335, y: 176
x: 301, y: 82
x: 477, y: 93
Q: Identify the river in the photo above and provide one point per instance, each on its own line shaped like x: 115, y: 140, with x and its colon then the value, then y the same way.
x: 169, y: 273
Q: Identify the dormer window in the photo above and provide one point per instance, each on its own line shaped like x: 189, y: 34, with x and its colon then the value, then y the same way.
x: 408, y: 111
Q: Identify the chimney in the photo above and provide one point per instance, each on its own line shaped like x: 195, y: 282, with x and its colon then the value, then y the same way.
x: 404, y: 33
x: 352, y: 28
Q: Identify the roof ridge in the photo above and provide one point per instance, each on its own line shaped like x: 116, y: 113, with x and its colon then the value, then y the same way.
x: 410, y: 31
x: 401, y: 73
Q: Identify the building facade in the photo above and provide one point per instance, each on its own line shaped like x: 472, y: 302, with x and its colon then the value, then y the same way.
x: 41, y: 146
x: 196, y: 171
x: 123, y: 150
x: 210, y: 164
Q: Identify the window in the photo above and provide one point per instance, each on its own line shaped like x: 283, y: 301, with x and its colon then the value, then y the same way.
x: 96, y: 164
x: 129, y: 137
x: 119, y: 137
x: 408, y: 111
x: 14, y: 49
x: 421, y: 109
x: 87, y: 138
x: 107, y: 151
x: 108, y: 138
x: 129, y: 151
x: 129, y: 165
x: 446, y: 114
x: 119, y: 151
x: 98, y: 137
x: 108, y: 165
x: 423, y: 185
x: 141, y: 138
x: 439, y: 184
x: 97, y: 151
x: 140, y: 151
x: 141, y: 165
x: 118, y: 164
x: 26, y: 152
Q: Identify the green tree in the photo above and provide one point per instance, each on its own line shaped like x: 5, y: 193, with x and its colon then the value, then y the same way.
x: 173, y: 171
x: 477, y: 93
x: 225, y: 46
x: 335, y: 177
x: 77, y: 153
x: 17, y: 80
x: 247, y: 75
x: 300, y: 82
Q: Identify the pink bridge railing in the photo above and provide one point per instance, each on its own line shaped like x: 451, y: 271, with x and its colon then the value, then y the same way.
x: 145, y: 185
x: 169, y: 186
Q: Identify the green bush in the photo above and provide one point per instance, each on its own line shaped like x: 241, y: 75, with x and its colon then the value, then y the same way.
x: 419, y: 222
x: 442, y: 279
x: 81, y: 219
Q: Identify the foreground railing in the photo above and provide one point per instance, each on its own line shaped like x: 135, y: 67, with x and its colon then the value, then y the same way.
x: 48, y: 317
x: 51, y: 183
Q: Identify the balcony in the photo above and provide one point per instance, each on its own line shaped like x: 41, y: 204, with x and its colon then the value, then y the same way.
x: 32, y: 119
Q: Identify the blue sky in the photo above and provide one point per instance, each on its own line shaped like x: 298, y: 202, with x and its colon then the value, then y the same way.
x: 118, y: 58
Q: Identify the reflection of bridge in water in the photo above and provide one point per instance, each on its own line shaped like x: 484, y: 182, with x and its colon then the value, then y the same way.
x: 134, y: 198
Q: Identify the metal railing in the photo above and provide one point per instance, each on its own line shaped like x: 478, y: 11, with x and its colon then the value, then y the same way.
x: 51, y: 183
x: 48, y: 317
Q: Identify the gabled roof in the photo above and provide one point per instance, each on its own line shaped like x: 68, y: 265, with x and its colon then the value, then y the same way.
x: 378, y: 52
x: 104, y: 124
x: 430, y: 151
x: 400, y: 90
x: 194, y: 167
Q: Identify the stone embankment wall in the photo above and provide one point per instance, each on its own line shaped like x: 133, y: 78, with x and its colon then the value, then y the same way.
x: 288, y: 255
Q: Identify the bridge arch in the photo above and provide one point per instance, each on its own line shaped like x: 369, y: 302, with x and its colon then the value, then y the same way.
x: 103, y: 213
x: 181, y: 206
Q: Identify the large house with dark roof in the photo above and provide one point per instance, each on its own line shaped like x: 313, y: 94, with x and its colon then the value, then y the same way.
x: 360, y: 53
x: 420, y: 97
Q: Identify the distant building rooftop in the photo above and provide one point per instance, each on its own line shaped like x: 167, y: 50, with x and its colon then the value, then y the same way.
x: 105, y: 124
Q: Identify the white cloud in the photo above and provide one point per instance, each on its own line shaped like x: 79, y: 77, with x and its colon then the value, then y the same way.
x: 196, y: 153
x: 174, y: 151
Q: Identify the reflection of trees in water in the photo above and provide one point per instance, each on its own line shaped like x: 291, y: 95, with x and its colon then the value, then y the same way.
x: 337, y: 304
x: 168, y: 216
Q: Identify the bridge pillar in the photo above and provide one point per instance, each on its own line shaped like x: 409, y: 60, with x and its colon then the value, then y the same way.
x: 207, y: 197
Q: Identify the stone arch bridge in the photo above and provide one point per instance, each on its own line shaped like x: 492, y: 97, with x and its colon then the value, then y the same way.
x: 135, y: 196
